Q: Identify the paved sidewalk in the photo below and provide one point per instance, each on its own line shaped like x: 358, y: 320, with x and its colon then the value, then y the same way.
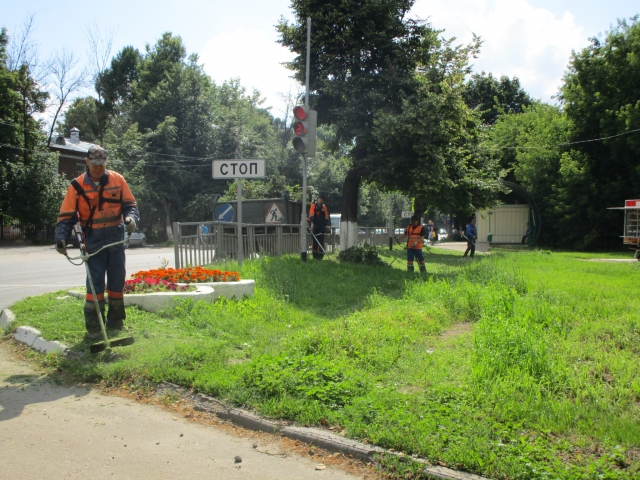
x: 52, y: 431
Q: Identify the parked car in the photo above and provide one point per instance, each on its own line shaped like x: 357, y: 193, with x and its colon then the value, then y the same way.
x: 442, y: 234
x: 138, y: 239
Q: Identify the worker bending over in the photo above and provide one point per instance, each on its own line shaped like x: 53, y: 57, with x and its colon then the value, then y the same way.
x: 319, y: 223
x: 416, y: 233
x: 99, y: 200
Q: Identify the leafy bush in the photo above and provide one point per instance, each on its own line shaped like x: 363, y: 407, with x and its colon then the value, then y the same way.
x: 365, y: 254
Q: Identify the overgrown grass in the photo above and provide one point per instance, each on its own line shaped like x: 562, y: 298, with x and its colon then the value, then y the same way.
x: 517, y: 365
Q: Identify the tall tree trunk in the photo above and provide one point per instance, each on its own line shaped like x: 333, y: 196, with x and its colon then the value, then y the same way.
x: 167, y: 219
x: 349, y: 217
x: 419, y: 206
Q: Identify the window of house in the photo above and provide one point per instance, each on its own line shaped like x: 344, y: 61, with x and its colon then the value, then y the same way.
x: 80, y: 168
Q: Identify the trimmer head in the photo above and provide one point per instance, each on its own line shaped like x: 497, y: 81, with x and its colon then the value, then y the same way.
x: 116, y: 342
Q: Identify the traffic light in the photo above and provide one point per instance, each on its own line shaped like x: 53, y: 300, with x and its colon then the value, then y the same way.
x: 305, y: 121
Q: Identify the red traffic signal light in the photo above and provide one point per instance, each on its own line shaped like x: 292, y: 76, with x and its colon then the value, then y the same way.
x: 304, y: 130
x: 300, y: 113
x: 299, y: 129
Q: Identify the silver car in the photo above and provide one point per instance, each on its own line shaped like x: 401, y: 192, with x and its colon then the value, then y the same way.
x: 138, y: 239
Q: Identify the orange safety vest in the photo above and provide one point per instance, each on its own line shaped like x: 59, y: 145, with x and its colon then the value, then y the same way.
x: 415, y: 234
x: 97, y: 208
x: 324, y: 211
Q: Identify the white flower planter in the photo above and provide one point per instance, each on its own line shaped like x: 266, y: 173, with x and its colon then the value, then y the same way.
x: 239, y: 290
x: 209, y: 292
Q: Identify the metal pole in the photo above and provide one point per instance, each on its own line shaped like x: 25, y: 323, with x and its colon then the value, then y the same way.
x: 239, y: 204
x: 306, y: 95
x: 303, y: 214
x: 391, y: 222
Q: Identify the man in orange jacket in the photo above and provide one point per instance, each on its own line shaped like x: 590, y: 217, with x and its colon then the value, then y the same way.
x: 319, y: 221
x: 416, y: 234
x: 101, y: 201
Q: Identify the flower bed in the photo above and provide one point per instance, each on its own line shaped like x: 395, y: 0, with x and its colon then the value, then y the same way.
x: 188, y: 275
x: 153, y: 285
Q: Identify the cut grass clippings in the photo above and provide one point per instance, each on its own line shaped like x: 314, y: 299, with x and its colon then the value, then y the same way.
x: 519, y: 365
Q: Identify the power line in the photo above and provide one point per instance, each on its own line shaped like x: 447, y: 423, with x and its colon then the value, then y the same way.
x: 497, y: 147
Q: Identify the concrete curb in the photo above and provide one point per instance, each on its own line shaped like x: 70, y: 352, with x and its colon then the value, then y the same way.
x: 30, y: 336
x: 313, y: 436
x: 6, y: 318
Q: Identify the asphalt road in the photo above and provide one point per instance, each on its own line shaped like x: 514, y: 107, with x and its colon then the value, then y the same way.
x: 27, y: 271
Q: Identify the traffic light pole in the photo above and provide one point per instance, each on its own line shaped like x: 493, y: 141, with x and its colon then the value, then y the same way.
x: 303, y: 215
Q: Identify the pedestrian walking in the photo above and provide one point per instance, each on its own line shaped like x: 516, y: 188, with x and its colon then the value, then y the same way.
x: 471, y: 233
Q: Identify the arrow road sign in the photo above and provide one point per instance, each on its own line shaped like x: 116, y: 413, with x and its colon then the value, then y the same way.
x: 238, y: 168
x: 224, y: 212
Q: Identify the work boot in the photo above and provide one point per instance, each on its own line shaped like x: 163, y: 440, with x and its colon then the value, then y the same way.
x: 116, y: 315
x: 410, y: 269
x: 423, y: 269
x: 91, y: 321
x: 320, y: 256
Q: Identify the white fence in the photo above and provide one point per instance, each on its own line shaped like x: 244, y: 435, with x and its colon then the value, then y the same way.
x: 220, y: 243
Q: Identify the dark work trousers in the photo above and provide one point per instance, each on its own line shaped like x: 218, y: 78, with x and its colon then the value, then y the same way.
x: 318, y: 241
x: 111, y: 263
x: 470, y: 248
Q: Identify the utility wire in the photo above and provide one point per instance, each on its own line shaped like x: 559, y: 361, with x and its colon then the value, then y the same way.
x: 497, y: 147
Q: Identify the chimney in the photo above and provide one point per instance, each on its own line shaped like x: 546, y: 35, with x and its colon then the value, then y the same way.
x: 75, y: 135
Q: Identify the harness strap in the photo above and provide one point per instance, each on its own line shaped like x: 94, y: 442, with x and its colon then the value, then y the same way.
x: 81, y: 192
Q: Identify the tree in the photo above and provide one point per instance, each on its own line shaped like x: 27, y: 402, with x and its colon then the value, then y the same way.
x: 530, y: 145
x: 83, y: 114
x: 99, y: 45
x: 66, y: 79
x: 363, y: 56
x: 30, y: 188
x: 429, y: 149
x: 492, y: 97
x: 601, y: 97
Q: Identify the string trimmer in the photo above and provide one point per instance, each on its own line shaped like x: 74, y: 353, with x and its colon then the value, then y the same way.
x: 106, y: 344
x: 317, y: 241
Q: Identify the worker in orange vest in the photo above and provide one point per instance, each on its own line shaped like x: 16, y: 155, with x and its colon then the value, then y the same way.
x: 319, y: 222
x: 415, y: 233
x: 101, y: 201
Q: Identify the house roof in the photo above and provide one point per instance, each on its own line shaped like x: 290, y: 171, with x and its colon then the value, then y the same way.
x: 67, y: 145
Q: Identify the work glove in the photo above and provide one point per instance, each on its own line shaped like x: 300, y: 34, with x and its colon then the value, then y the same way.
x: 130, y: 224
x: 328, y: 229
x: 61, y: 248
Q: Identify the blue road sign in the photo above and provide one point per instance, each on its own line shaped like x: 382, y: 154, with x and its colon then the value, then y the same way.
x: 224, y: 212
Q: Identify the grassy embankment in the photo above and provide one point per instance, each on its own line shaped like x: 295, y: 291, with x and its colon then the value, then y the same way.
x: 515, y: 365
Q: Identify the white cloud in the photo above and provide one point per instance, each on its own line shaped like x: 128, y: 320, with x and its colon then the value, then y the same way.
x: 519, y: 39
x: 255, y: 58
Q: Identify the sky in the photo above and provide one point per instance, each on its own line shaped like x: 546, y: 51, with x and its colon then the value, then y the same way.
x: 530, y: 39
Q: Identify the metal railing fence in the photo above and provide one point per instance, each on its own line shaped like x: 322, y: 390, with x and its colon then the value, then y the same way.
x: 219, y: 244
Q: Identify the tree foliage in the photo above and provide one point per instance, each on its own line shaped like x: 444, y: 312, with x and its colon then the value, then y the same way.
x: 601, y: 97
x: 364, y: 59
x: 492, y: 97
x: 30, y: 187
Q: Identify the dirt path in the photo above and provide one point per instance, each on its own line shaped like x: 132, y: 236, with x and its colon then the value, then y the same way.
x: 53, y: 431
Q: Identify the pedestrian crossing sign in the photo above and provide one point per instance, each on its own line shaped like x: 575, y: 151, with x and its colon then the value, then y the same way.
x: 274, y: 214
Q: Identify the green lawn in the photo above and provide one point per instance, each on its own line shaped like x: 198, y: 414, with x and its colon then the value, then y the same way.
x: 519, y: 365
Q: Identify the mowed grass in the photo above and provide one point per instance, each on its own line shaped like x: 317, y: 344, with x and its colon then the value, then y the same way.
x: 519, y: 365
